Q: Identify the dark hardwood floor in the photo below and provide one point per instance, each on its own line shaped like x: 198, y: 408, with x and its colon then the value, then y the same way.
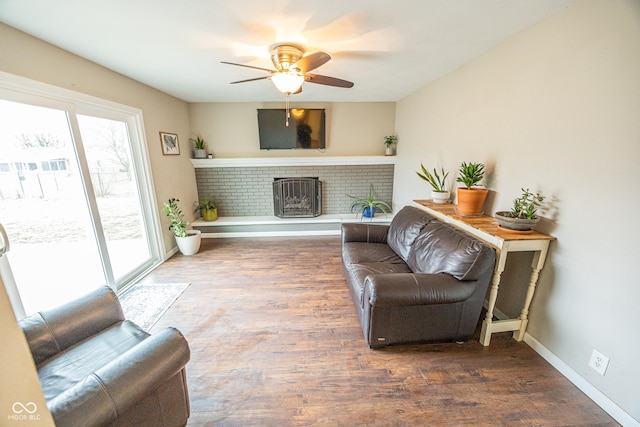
x: 275, y: 341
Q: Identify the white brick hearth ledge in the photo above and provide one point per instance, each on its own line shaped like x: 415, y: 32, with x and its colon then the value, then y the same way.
x: 234, y: 162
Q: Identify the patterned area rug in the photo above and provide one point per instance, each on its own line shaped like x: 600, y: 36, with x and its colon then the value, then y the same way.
x: 144, y: 304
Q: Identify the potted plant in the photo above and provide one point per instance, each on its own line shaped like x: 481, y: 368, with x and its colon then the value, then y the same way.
x: 471, y: 197
x: 439, y: 192
x: 199, y: 151
x: 207, y: 209
x: 368, y: 206
x: 390, y: 141
x: 522, y: 217
x: 188, y: 240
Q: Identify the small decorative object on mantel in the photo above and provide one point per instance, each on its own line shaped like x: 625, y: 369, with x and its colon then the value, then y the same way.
x: 207, y: 208
x: 439, y: 192
x: 367, y: 207
x: 390, y: 141
x: 188, y: 241
x: 522, y: 217
x: 199, y: 151
x: 169, y: 143
x: 471, y: 197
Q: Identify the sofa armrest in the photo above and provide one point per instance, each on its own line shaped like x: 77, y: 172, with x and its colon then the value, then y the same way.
x: 110, y: 391
x: 404, y: 289
x: 368, y: 233
x: 50, y: 332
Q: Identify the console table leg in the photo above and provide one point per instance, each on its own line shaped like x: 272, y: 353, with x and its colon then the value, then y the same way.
x: 536, y: 265
x: 485, y: 333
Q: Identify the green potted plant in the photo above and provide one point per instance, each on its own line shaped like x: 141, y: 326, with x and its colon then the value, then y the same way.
x: 389, y: 142
x: 471, y: 197
x: 188, y: 241
x: 199, y: 151
x: 207, y: 209
x: 439, y: 192
x: 368, y: 206
x: 522, y: 216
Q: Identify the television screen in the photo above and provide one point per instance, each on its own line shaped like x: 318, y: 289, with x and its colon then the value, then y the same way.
x: 305, y: 130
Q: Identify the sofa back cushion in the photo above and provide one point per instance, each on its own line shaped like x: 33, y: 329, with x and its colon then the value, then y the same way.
x: 442, y: 248
x: 404, y: 228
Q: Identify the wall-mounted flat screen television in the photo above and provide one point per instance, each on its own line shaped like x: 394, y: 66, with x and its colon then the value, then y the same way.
x: 306, y: 128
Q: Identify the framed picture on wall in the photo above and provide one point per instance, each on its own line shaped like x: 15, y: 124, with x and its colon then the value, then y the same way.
x: 170, y: 145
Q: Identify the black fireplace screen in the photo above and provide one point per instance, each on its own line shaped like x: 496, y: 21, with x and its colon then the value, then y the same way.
x: 297, y: 197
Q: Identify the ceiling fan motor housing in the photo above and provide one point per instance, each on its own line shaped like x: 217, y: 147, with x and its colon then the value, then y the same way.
x: 284, y: 56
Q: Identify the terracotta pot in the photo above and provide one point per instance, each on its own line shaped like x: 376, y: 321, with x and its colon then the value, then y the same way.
x: 471, y: 201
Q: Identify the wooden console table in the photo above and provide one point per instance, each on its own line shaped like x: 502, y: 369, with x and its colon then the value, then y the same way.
x: 486, y: 228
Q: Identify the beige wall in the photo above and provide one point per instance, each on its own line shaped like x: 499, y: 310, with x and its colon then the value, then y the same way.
x: 173, y: 176
x: 231, y: 129
x: 556, y: 109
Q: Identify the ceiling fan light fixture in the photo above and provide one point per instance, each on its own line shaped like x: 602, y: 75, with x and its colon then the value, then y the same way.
x: 287, y: 82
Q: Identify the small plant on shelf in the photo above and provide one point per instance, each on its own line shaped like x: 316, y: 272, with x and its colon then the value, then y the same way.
x: 207, y: 209
x: 178, y: 223
x: 526, y: 206
x: 437, y: 182
x: 390, y: 140
x: 470, y: 174
x: 367, y: 206
x: 198, y: 143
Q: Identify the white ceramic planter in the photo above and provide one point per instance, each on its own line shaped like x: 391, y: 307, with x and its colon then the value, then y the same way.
x: 189, y: 245
x: 440, y: 197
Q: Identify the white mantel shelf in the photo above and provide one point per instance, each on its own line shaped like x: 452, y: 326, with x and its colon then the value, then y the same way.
x: 292, y: 161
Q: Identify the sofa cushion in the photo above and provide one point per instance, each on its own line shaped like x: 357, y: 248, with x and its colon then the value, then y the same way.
x: 404, y: 228
x: 442, y: 248
x: 359, y: 252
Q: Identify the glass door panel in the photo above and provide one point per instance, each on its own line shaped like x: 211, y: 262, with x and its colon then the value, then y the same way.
x: 54, y: 254
x: 107, y: 150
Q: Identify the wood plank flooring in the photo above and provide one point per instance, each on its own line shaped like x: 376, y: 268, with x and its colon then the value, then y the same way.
x: 275, y: 341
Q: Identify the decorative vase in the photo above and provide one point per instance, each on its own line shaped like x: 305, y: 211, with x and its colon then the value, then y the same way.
x: 199, y: 153
x: 210, y: 214
x: 440, y: 197
x: 190, y: 244
x: 518, y: 224
x: 368, y: 213
x: 471, y: 201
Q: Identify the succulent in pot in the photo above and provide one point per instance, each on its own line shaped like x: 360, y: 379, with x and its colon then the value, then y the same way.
x: 439, y: 192
x: 199, y: 152
x: 523, y: 215
x: 367, y: 206
x: 471, y: 197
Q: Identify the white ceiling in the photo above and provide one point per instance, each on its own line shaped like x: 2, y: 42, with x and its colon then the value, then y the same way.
x: 388, y: 48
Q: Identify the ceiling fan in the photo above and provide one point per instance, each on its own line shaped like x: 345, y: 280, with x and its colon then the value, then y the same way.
x: 293, y: 68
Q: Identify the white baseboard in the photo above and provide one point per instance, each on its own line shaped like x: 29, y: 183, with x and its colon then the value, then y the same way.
x: 593, y: 393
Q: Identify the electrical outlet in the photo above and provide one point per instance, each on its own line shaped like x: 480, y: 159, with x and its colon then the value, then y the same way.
x: 599, y: 362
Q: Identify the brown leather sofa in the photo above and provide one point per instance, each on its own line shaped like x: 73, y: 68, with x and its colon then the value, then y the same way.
x: 415, y: 280
x: 98, y: 369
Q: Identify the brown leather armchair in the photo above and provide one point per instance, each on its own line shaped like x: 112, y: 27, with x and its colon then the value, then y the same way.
x: 98, y: 369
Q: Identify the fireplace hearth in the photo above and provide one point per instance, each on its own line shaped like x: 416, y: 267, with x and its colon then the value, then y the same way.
x: 297, y: 197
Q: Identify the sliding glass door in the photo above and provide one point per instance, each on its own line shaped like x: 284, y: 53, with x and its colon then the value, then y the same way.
x: 74, y: 199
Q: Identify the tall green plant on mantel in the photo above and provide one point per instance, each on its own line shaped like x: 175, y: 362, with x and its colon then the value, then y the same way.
x: 178, y: 223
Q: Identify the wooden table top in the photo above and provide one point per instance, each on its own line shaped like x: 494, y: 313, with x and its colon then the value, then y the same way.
x: 484, y: 223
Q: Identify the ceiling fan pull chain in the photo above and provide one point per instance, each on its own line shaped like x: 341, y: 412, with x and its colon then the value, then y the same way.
x: 287, y: 108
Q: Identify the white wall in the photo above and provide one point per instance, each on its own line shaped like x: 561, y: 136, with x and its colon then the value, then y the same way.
x: 231, y: 129
x: 556, y: 109
x: 174, y: 176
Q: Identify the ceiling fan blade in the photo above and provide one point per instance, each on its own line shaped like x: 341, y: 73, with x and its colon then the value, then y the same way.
x: 247, y: 66
x: 250, y: 80
x: 312, y: 61
x: 326, y: 80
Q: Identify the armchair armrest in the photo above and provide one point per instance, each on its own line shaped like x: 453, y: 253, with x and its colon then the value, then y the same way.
x: 403, y: 289
x: 369, y: 233
x: 116, y: 387
x: 51, y: 331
